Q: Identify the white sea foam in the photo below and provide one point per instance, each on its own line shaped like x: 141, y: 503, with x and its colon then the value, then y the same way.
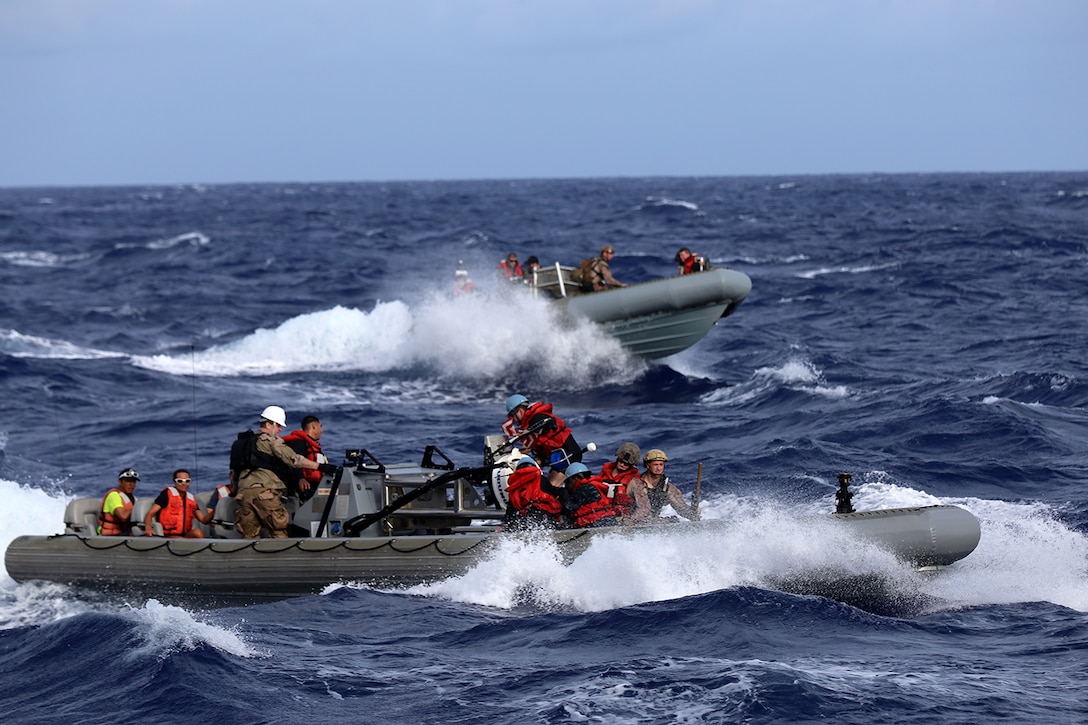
x: 1026, y: 554
x: 759, y: 544
x: 166, y: 629
x: 28, y: 511
x: 862, y: 269
x: 16, y: 344
x: 794, y: 374
x: 194, y: 239
x: 472, y: 337
x: 39, y: 258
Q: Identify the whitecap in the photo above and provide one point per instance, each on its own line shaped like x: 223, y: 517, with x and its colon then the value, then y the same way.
x: 16, y: 344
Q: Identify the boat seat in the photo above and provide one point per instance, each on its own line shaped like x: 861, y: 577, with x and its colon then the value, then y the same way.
x: 81, y: 516
x: 202, y: 500
x: 223, y: 523
x: 139, y: 512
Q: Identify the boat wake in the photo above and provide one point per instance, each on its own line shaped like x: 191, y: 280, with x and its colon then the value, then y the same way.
x: 467, y: 339
x: 771, y: 546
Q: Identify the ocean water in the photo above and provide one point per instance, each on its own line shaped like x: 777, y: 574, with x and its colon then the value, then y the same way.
x: 926, y: 333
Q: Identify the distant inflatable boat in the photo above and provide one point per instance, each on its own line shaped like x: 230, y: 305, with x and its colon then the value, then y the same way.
x: 652, y: 319
x: 384, y: 526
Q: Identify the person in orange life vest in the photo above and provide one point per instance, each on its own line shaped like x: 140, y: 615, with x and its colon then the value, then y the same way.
x: 534, y: 503
x: 653, y: 490
x: 620, y: 474
x: 176, y: 509
x: 542, y: 434
x: 585, y: 499
x: 115, y: 513
x: 688, y: 262
x: 306, y: 442
x: 510, y: 269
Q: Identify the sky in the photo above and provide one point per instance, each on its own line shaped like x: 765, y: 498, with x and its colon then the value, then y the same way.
x: 106, y: 92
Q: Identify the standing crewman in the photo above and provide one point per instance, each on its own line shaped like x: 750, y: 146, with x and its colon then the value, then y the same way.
x: 260, y: 463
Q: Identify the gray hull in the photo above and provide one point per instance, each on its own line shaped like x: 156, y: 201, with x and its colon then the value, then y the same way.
x: 229, y: 570
x: 661, y: 318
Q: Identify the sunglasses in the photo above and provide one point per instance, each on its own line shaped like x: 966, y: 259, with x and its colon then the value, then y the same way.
x: 183, y: 480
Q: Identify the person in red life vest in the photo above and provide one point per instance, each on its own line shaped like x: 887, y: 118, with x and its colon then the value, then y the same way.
x: 542, y: 434
x: 688, y: 262
x: 534, y: 503
x: 621, y: 473
x: 653, y: 490
x: 176, y: 509
x: 306, y: 442
x: 115, y: 513
x: 510, y: 270
x: 463, y: 286
x: 585, y: 499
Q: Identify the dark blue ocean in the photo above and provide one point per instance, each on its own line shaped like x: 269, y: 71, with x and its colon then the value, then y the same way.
x: 927, y: 333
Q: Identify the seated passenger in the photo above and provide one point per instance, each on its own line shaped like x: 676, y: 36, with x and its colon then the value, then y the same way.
x: 306, y: 441
x: 599, y: 275
x: 510, y: 270
x: 585, y: 499
x: 653, y: 490
x: 689, y: 262
x: 115, y: 513
x: 176, y: 509
x: 463, y: 286
x: 620, y: 474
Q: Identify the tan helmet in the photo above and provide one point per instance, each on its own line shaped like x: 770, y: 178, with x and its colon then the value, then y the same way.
x: 654, y: 454
x: 608, y: 249
x: 628, y: 453
x: 275, y: 414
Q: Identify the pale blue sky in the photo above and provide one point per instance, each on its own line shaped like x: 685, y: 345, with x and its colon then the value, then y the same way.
x: 178, y: 91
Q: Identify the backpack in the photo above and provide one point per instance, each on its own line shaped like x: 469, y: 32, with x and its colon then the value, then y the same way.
x: 243, y: 454
x: 583, y: 273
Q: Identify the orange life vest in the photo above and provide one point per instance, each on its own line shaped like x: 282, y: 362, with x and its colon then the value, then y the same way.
x: 108, y: 523
x: 177, y: 518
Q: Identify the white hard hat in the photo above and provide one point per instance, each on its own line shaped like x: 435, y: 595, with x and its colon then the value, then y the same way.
x: 275, y: 414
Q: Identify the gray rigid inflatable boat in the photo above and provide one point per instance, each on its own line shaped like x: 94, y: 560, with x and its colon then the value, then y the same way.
x: 652, y: 319
x: 385, y: 526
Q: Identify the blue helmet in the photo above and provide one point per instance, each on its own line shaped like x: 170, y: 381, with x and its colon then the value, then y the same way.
x: 526, y: 461
x: 576, y: 469
x: 514, y: 401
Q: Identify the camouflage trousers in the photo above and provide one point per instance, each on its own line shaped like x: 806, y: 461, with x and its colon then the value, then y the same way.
x: 259, y: 507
